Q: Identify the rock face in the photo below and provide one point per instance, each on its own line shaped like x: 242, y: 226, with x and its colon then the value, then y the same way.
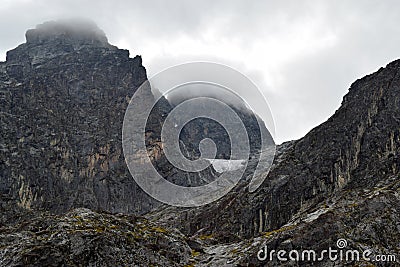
x: 63, y: 95
x: 63, y: 98
x: 358, y: 147
x: 190, y: 138
x: 340, y: 181
x: 85, y: 238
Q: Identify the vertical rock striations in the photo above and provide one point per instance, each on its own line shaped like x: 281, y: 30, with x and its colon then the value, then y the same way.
x: 63, y: 95
x: 357, y: 148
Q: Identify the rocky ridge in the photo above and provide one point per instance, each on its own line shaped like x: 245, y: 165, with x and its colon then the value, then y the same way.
x: 340, y: 181
x: 356, y: 148
x: 63, y: 94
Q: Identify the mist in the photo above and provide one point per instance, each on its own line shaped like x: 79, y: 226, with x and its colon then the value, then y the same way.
x: 190, y: 91
x: 303, y: 56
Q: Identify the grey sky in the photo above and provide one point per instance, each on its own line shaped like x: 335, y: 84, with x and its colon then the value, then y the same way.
x: 303, y: 55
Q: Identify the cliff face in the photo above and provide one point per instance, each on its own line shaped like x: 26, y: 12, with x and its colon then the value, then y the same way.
x: 340, y: 181
x: 357, y: 148
x: 63, y: 95
x: 63, y: 98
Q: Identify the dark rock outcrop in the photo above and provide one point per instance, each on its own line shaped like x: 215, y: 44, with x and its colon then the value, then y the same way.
x: 356, y: 148
x: 63, y: 97
x: 349, y: 157
x: 86, y: 238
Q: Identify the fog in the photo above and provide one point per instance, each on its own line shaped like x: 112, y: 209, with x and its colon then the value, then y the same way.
x: 190, y: 91
x: 78, y: 28
x: 303, y: 55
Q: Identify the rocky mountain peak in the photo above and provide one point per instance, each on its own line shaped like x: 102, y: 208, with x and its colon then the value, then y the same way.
x: 67, y: 197
x: 67, y: 31
x: 73, y: 87
x: 58, y: 38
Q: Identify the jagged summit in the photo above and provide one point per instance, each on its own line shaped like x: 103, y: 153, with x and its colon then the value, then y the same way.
x: 61, y: 37
x: 63, y: 95
x: 67, y: 84
x: 62, y: 44
x: 67, y: 31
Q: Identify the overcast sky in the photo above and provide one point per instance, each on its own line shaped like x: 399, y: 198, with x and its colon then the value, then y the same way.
x: 303, y: 55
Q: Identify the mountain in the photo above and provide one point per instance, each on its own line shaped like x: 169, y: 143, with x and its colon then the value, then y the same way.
x: 355, y: 148
x: 63, y: 97
x: 339, y: 181
x: 67, y: 197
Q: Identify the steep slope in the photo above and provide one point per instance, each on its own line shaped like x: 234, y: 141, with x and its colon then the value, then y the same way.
x: 354, y: 151
x: 63, y: 98
x: 367, y: 219
x: 63, y: 95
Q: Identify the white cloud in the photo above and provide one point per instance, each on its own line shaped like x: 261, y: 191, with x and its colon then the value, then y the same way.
x: 302, y: 54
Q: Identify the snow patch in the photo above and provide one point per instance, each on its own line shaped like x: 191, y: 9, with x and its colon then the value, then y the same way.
x: 224, y: 165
